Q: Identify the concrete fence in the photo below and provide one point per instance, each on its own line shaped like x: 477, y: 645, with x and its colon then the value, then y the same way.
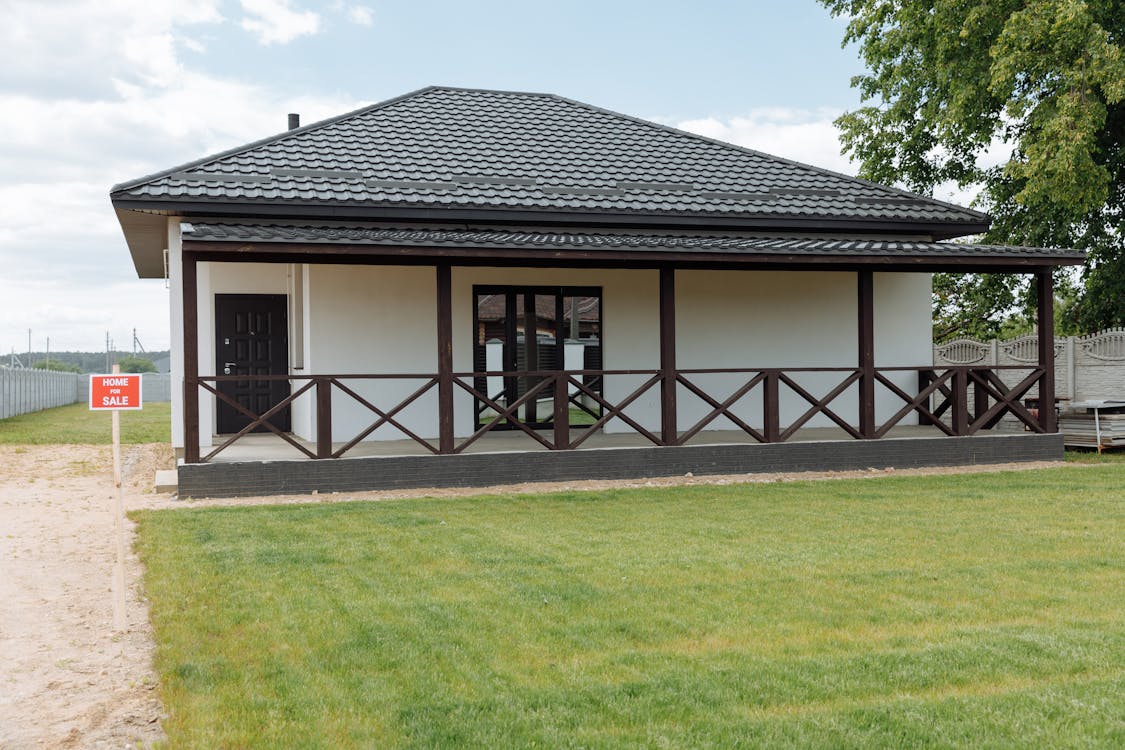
x: 25, y: 391
x: 1086, y: 367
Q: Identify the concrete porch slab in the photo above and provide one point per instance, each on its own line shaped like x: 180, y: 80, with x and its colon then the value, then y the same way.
x: 166, y: 480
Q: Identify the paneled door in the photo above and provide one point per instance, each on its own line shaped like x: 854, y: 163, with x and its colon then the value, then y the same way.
x: 251, y: 338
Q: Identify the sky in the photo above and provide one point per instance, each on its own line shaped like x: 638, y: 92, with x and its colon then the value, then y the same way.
x: 95, y: 93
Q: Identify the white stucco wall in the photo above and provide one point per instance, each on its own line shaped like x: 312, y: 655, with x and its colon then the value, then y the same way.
x: 793, y: 319
x: 176, y: 321
x: 373, y: 320
x: 382, y: 319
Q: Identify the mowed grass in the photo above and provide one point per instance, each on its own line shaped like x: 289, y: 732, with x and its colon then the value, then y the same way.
x: 76, y: 424
x: 949, y: 611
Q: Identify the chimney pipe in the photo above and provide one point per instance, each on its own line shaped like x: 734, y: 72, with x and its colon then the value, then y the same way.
x: 294, y: 121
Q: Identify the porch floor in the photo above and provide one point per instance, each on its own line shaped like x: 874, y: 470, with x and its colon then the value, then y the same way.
x: 270, y: 447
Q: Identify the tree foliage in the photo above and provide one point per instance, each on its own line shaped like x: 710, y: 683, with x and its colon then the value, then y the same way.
x: 56, y: 365
x: 133, y: 363
x: 951, y: 80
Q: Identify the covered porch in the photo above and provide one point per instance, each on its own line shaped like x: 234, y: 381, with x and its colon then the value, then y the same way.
x: 649, y: 420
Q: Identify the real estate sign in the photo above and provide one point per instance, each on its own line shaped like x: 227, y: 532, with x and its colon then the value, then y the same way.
x: 115, y: 391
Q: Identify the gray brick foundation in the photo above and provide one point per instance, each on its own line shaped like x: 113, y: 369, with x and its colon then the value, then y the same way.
x: 485, y: 469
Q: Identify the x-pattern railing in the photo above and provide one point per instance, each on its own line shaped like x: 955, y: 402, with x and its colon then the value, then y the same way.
x: 942, y: 399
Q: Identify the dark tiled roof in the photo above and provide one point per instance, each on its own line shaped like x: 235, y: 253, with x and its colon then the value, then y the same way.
x: 547, y: 239
x: 443, y: 148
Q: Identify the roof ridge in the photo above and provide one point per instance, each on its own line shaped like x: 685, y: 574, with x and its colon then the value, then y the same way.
x: 763, y: 154
x: 130, y: 184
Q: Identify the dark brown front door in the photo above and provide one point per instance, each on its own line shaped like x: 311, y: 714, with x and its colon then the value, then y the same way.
x: 251, y: 338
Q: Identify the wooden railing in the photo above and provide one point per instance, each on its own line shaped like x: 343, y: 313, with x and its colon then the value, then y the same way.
x: 956, y: 400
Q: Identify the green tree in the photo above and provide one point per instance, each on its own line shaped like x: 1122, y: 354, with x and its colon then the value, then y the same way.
x: 134, y: 363
x: 950, y: 79
x: 54, y: 364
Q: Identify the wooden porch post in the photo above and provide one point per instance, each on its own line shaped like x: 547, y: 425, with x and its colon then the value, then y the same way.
x: 445, y: 357
x: 1045, y: 286
x: 323, y: 418
x: 190, y: 290
x: 866, y: 318
x: 668, y: 432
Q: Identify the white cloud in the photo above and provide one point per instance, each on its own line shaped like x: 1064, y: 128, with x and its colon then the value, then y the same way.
x: 810, y: 137
x: 277, y: 22
x: 109, y: 100
x: 801, y: 135
x: 361, y: 15
x: 79, y: 49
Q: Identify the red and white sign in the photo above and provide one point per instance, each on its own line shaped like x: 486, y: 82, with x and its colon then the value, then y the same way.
x: 118, y: 391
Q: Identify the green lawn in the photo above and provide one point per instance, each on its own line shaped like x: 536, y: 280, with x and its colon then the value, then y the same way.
x: 950, y: 611
x: 77, y: 424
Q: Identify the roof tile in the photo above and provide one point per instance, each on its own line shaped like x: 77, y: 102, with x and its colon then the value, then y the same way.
x: 479, y: 149
x: 507, y: 238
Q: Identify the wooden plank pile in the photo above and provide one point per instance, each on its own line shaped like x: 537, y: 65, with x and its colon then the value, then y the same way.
x: 1080, y: 429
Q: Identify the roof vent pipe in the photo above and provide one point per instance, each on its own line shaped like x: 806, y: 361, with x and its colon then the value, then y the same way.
x: 294, y: 121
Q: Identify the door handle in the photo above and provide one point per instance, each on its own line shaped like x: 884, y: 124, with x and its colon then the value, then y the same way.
x: 227, y: 366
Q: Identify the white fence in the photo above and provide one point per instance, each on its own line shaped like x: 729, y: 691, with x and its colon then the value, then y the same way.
x: 1086, y: 367
x: 24, y: 391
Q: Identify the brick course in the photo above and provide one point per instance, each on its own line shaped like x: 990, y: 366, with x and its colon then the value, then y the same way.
x: 487, y: 469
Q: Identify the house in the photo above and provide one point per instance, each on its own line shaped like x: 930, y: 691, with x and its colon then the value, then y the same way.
x: 335, y: 290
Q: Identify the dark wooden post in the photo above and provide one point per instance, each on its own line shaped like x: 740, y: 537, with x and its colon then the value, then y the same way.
x: 959, y: 402
x: 323, y: 418
x: 668, y: 431
x: 1045, y: 286
x: 771, y: 407
x: 925, y: 377
x: 445, y: 357
x: 190, y: 290
x: 562, y: 411
x: 530, y: 354
x: 866, y: 318
x: 562, y: 385
x: 980, y: 401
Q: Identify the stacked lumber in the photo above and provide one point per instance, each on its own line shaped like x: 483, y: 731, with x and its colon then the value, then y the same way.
x: 1079, y: 429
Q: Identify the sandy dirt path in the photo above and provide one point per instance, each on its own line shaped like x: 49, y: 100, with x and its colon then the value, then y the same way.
x: 66, y: 678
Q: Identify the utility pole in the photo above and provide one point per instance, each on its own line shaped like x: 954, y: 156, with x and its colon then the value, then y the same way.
x: 107, y: 351
x: 48, y: 360
x: 134, y: 342
x: 29, y: 347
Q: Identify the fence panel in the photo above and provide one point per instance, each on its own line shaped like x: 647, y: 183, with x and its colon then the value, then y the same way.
x: 25, y: 391
x: 1086, y: 367
x: 157, y: 387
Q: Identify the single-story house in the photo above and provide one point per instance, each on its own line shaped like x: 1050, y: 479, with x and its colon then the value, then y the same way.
x: 463, y: 286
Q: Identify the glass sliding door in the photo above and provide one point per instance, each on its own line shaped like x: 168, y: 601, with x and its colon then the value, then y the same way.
x: 527, y: 333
